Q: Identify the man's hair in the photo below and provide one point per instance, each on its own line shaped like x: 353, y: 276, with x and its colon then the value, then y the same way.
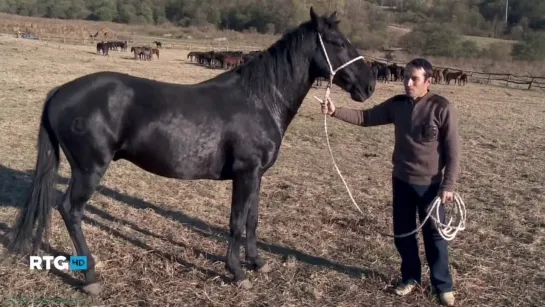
x: 424, y: 64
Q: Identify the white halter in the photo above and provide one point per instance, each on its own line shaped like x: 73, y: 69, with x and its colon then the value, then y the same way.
x: 333, y: 72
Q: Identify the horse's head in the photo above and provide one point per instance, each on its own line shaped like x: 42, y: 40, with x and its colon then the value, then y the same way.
x: 356, y: 78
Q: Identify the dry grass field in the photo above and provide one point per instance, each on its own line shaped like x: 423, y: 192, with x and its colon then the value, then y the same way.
x: 161, y: 242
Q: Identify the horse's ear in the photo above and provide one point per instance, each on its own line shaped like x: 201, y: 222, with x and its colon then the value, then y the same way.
x: 313, y: 16
x: 316, y: 20
x: 333, y: 17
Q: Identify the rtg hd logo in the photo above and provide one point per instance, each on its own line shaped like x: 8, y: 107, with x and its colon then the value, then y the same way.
x: 76, y: 263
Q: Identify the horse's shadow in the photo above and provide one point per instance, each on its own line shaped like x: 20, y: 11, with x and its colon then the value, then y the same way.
x: 18, y: 182
x: 97, y: 54
x: 218, y: 68
x: 66, y: 278
x: 202, y: 65
x: 187, y: 62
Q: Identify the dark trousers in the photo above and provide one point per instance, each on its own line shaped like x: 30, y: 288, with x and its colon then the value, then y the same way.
x: 407, y: 200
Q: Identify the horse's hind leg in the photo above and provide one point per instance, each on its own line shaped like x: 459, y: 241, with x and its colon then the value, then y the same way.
x: 81, y: 187
x: 245, y: 194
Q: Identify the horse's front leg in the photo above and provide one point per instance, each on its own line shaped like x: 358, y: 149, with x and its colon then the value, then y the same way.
x: 255, y: 262
x: 245, y: 195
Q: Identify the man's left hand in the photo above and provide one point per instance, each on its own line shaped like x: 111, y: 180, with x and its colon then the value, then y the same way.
x: 446, y: 196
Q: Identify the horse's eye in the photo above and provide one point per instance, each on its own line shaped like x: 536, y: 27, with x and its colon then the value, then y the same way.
x: 338, y: 43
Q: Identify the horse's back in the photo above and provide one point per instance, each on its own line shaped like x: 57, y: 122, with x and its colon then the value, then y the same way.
x: 184, y: 131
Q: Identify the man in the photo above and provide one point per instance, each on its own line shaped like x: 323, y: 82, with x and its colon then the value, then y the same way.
x: 426, y: 142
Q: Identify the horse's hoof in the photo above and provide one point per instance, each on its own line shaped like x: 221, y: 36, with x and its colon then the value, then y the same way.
x: 245, y: 284
x: 92, y: 289
x: 265, y: 269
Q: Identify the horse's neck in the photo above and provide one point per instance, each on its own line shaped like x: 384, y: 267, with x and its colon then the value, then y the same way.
x: 289, y: 87
x: 281, y: 79
x: 287, y: 93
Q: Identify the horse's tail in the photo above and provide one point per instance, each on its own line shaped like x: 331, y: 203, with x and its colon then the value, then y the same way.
x: 42, y: 196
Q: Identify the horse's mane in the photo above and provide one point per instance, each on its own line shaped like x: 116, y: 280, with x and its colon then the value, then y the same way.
x: 275, y: 67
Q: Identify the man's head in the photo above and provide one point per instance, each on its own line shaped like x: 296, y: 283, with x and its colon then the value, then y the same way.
x: 418, y: 76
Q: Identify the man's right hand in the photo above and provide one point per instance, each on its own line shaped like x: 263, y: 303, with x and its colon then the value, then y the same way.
x: 329, y: 107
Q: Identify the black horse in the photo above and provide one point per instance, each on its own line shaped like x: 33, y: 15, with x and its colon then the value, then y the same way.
x: 227, y: 128
x: 104, y: 47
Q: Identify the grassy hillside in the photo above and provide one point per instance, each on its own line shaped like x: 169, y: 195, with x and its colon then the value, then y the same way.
x: 397, y: 31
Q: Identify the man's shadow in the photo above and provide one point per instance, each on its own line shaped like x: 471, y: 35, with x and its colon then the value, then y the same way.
x: 14, y: 192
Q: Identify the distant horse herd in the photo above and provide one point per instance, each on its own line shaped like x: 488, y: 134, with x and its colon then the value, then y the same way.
x: 140, y: 52
x: 104, y: 47
x: 394, y: 72
x: 144, y: 52
x: 229, y: 59
x: 386, y: 73
x: 221, y: 59
x: 444, y: 75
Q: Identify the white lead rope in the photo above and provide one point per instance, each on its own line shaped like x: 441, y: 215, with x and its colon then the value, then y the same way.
x: 446, y: 231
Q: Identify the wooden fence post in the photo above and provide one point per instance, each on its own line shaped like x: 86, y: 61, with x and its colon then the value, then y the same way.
x: 508, y: 77
x: 488, y: 81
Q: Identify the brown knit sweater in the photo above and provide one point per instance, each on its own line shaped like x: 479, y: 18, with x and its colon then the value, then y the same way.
x: 426, y: 136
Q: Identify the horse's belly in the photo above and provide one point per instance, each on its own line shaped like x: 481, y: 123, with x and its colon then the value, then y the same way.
x: 198, y: 163
x: 182, y: 156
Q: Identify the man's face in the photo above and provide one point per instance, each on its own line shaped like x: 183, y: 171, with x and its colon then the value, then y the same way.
x: 416, y: 85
